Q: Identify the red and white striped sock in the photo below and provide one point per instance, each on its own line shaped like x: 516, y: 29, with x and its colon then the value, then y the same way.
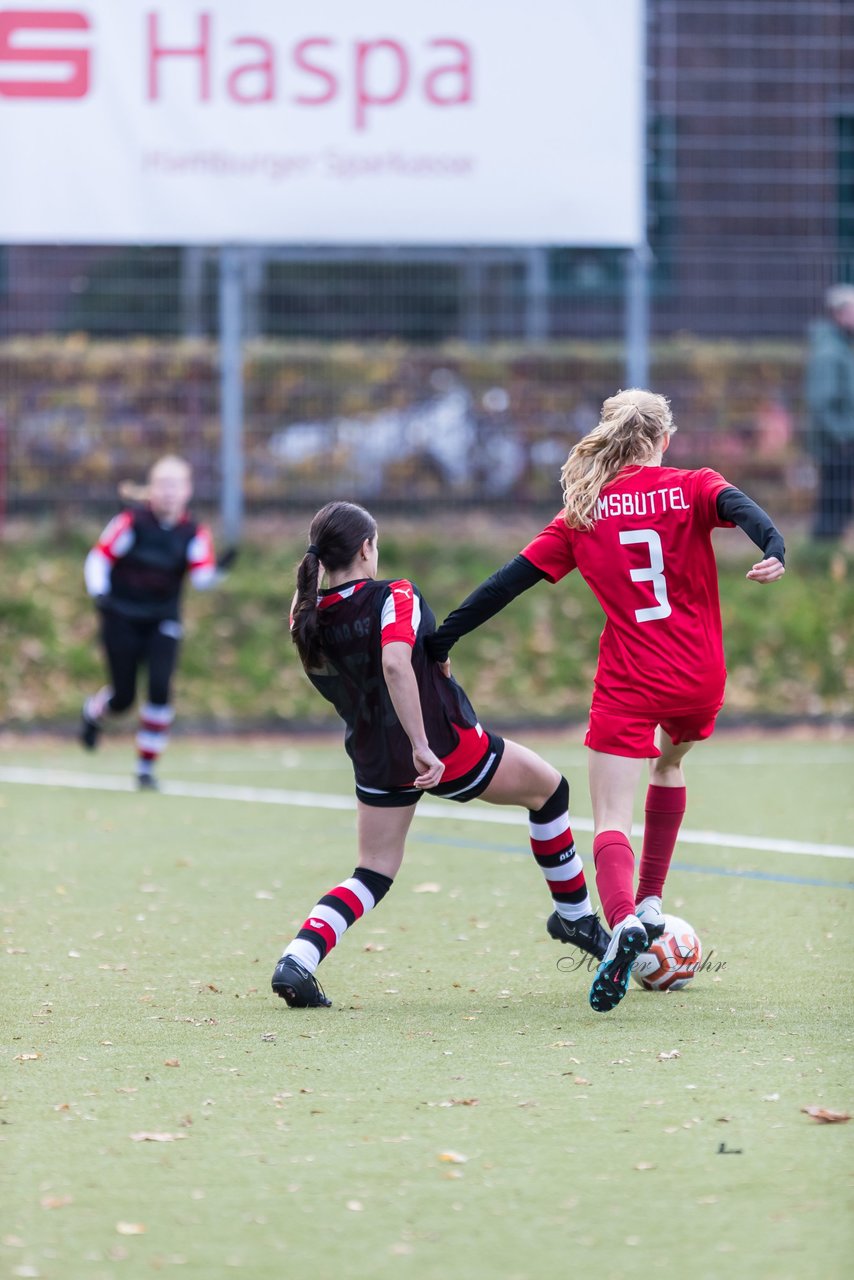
x: 153, y: 735
x: 333, y: 915
x: 557, y: 857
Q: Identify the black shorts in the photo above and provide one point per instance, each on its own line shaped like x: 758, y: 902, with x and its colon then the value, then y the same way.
x: 462, y: 787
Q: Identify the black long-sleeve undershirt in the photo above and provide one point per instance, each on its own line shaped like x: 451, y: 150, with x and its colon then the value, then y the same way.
x: 519, y: 575
x: 734, y: 505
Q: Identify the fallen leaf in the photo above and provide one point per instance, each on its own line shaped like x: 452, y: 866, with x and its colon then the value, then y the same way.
x: 771, y: 1097
x: 460, y: 1102
x: 452, y: 1157
x: 146, y: 1136
x: 355, y: 1206
x: 824, y: 1116
x: 643, y: 1166
x: 269, y: 1037
x: 665, y: 1057
x: 62, y: 1106
x: 27, y: 1057
x: 429, y: 886
x: 55, y: 1202
x: 130, y: 1228
x: 374, y: 946
x: 264, y: 895
x: 708, y: 1200
x: 171, y: 1062
x: 580, y: 1080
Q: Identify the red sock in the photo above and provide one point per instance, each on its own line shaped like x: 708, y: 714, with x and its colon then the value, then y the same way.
x: 665, y: 809
x: 615, y: 875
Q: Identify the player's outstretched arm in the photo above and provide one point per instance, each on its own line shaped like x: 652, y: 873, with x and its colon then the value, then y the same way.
x: 485, y: 601
x: 735, y: 507
x: 770, y: 570
x: 406, y: 700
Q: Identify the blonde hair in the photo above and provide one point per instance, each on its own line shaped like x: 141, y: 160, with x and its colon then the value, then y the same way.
x: 632, y: 428
x: 130, y: 491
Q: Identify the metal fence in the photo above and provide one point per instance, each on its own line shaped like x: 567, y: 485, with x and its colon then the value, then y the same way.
x: 463, y: 375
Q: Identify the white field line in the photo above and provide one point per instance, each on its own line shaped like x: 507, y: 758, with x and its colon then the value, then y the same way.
x: 427, y: 808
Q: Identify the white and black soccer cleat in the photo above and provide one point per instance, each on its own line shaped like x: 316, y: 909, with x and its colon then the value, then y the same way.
x: 650, y: 915
x: 89, y: 732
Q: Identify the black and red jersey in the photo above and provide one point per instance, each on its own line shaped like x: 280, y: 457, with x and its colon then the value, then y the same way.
x: 138, y: 566
x: 356, y: 621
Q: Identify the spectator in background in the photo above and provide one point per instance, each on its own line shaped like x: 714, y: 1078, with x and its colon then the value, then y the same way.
x: 830, y: 404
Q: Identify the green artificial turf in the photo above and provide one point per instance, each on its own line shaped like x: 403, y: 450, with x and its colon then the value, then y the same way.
x: 141, y: 930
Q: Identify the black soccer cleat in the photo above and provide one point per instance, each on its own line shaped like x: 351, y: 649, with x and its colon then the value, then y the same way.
x: 297, y: 987
x: 146, y: 782
x: 89, y: 732
x: 612, y: 977
x: 586, y: 933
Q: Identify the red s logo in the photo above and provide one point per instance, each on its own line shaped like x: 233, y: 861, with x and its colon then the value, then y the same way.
x: 75, y: 84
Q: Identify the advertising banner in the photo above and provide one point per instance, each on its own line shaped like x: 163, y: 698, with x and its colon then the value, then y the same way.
x: 342, y: 122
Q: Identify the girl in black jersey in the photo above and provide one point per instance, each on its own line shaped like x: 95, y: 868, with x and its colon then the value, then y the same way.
x: 135, y: 574
x: 409, y: 729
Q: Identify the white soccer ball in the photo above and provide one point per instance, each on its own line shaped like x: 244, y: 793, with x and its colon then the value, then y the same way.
x: 672, y: 960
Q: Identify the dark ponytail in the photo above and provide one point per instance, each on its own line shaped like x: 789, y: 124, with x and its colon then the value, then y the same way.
x: 336, y: 534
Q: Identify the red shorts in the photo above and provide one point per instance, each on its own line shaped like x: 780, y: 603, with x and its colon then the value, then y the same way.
x: 622, y: 732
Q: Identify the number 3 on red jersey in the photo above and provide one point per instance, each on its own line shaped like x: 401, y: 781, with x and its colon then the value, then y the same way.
x: 654, y: 573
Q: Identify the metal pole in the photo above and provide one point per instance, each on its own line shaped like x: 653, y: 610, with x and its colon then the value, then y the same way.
x: 231, y: 391
x: 638, y: 257
x: 536, y: 295
x: 637, y: 316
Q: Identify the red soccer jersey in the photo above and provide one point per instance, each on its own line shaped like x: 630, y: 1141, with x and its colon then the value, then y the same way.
x: 649, y: 561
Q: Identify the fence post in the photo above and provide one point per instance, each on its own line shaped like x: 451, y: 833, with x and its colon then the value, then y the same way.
x: 231, y: 391
x: 637, y: 316
x: 536, y: 295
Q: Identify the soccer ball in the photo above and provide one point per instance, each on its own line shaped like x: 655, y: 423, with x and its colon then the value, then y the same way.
x: 672, y: 960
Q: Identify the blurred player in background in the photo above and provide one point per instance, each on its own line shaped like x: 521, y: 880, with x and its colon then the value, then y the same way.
x: 135, y: 574
x: 410, y: 729
x: 639, y: 533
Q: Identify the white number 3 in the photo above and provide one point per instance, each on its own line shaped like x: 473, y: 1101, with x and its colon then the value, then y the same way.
x: 654, y: 573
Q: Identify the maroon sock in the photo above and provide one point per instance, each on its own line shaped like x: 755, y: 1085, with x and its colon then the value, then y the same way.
x: 615, y: 875
x: 665, y: 809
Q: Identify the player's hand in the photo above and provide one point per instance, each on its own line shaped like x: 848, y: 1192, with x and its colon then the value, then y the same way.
x: 428, y: 766
x: 445, y: 668
x: 766, y: 570
x: 438, y: 652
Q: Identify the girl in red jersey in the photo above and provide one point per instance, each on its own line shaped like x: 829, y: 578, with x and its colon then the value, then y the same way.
x: 135, y: 574
x: 639, y: 533
x: 409, y: 729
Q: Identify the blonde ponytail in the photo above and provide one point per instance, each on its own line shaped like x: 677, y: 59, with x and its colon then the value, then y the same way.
x: 631, y: 430
x: 129, y: 491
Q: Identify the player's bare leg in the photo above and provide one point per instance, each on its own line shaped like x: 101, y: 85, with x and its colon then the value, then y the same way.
x: 613, y: 781
x: 524, y: 778
x: 664, y: 811
x: 382, y: 838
